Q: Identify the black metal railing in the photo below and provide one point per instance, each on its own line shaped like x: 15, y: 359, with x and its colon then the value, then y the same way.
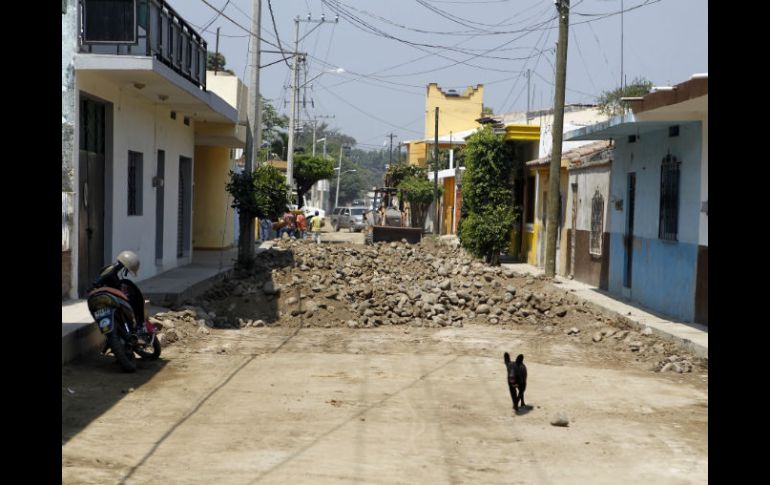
x: 143, y: 28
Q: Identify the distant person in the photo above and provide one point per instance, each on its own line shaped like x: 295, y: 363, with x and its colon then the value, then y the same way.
x: 315, y: 227
x: 265, y: 228
x: 288, y: 225
x: 301, y: 226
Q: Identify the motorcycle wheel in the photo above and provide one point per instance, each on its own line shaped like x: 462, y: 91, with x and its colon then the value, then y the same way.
x: 124, y: 358
x: 150, y: 355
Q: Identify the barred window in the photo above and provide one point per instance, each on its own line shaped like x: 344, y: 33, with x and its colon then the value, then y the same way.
x: 135, y: 162
x: 669, y: 198
x: 597, y: 224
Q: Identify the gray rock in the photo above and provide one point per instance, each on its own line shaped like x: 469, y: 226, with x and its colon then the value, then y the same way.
x: 647, y: 331
x: 291, y: 301
x: 597, y: 337
x: 482, y: 309
x: 507, y: 297
x: 573, y: 331
x: 271, y: 288
x: 560, y: 419
x: 445, y: 285
x: 352, y: 323
x: 560, y: 312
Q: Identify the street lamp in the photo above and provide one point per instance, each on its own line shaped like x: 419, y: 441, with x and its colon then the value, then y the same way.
x: 339, y: 172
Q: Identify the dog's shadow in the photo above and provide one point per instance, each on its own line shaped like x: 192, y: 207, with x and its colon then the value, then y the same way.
x: 524, y: 410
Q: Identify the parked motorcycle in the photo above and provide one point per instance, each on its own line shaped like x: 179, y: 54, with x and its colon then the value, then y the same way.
x: 119, y: 309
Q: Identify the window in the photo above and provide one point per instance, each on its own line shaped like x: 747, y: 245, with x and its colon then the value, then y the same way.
x: 597, y: 224
x: 135, y: 162
x: 669, y: 198
x: 110, y: 21
x: 530, y: 213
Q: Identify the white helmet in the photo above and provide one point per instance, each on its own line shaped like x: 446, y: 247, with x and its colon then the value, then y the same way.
x: 130, y: 261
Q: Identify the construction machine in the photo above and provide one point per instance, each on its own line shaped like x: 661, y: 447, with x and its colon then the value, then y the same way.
x: 385, y: 220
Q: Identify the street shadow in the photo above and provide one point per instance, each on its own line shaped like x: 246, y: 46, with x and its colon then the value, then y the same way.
x: 655, y: 313
x: 261, y: 304
x: 524, y: 410
x: 95, y: 383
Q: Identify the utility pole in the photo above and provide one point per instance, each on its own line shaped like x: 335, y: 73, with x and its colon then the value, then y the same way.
x: 528, y: 76
x: 339, y: 173
x: 295, y: 90
x: 552, y: 222
x: 437, y: 225
x: 621, y: 45
x: 254, y: 138
x: 216, y: 55
x: 390, y: 157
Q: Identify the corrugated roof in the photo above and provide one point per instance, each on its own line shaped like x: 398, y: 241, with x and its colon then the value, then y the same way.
x: 593, y: 153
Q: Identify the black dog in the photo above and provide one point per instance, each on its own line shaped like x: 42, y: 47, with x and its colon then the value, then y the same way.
x: 517, y: 379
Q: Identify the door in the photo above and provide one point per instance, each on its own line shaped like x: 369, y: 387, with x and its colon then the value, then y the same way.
x: 159, y: 206
x: 346, y: 218
x: 629, y: 238
x: 184, y: 210
x: 573, y: 233
x: 91, y: 188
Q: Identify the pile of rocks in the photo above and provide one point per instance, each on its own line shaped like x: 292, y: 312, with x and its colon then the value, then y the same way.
x: 396, y: 284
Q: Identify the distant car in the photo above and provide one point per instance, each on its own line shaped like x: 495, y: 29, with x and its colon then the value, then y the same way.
x: 348, y: 217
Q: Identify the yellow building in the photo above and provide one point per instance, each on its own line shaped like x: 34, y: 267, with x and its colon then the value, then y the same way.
x: 217, y: 146
x: 457, y: 113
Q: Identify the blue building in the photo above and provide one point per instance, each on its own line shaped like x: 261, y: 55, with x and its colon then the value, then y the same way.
x: 658, y: 200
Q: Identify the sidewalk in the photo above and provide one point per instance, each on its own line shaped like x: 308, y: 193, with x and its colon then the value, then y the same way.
x: 692, y: 336
x: 79, y: 332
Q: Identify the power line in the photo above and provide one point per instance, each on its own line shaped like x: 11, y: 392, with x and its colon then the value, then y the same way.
x: 239, y: 25
x: 275, y: 29
x: 216, y: 16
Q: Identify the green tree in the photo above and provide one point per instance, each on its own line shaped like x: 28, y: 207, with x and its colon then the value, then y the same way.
x: 262, y: 193
x: 488, y: 214
x: 216, y: 62
x: 397, y: 172
x: 309, y: 170
x: 609, y: 101
x: 418, y: 191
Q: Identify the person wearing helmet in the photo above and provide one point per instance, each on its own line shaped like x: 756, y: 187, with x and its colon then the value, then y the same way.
x: 110, y: 275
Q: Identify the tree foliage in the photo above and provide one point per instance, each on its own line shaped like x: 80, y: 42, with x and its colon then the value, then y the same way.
x: 216, y: 62
x: 418, y: 191
x: 609, y: 101
x: 488, y: 214
x: 308, y: 170
x: 262, y: 193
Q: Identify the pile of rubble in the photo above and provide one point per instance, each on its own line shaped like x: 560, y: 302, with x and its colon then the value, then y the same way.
x: 424, y: 285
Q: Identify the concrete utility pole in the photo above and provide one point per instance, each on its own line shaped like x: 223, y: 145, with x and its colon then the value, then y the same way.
x: 390, y: 157
x: 246, y: 237
x: 437, y: 225
x: 339, y: 173
x: 552, y: 222
x: 294, y: 89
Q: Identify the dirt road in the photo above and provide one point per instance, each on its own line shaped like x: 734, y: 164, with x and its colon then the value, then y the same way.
x: 387, y: 405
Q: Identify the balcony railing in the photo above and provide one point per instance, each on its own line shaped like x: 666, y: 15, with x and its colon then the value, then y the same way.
x: 143, y: 28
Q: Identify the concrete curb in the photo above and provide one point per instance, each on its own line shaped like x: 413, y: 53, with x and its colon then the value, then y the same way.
x: 636, y: 322
x: 85, y: 340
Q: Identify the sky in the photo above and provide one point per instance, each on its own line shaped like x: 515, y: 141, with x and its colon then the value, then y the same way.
x: 391, y: 50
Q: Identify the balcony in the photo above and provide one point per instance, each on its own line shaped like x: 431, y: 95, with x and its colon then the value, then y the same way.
x: 149, y: 28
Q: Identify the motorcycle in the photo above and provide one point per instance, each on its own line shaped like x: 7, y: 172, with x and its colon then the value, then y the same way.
x: 120, y: 311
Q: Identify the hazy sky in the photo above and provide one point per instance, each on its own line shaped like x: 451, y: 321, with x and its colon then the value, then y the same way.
x: 463, y: 43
